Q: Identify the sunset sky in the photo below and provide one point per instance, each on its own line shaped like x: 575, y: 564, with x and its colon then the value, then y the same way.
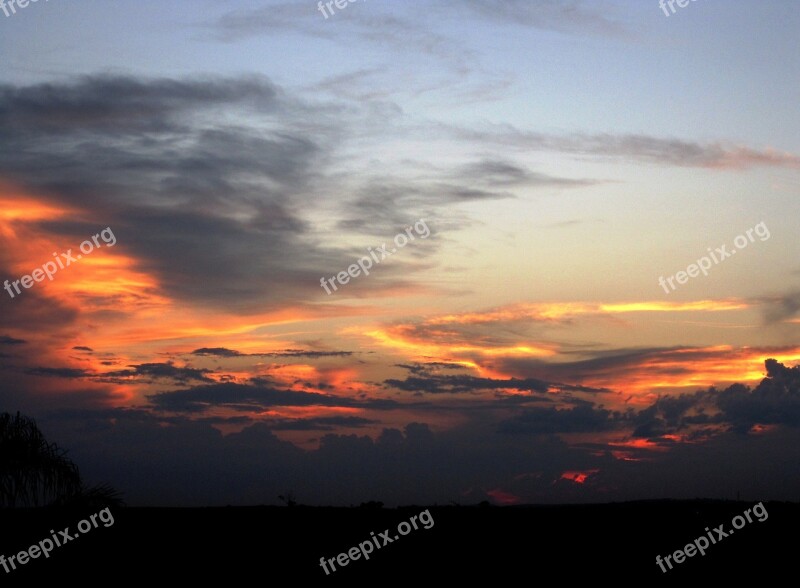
x: 562, y: 156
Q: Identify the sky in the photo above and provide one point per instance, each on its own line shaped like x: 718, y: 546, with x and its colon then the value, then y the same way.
x: 416, y: 252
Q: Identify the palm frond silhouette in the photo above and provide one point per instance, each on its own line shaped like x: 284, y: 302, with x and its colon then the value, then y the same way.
x: 35, y: 472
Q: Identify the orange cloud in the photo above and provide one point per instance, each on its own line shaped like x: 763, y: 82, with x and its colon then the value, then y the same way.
x: 553, y: 311
x: 502, y: 497
x: 578, y: 477
x: 434, y: 344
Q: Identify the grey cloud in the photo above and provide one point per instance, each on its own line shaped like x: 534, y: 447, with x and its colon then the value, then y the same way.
x: 776, y: 400
x: 210, y: 205
x: 68, y: 373
x: 217, y: 351
x: 521, y: 454
x: 427, y: 368
x: 454, y: 384
x: 538, y: 421
x: 253, y: 397
x: 112, y: 104
x: 495, y: 172
x: 223, y: 352
x: 606, y: 363
x: 116, y: 140
x: 565, y: 16
x: 631, y: 147
x: 780, y: 308
x: 321, y: 423
x: 162, y: 370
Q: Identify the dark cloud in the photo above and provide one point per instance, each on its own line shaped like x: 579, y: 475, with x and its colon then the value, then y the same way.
x: 780, y: 308
x: 311, y: 354
x: 30, y: 312
x: 204, y: 181
x: 223, y: 352
x: 6, y: 340
x: 321, y: 423
x: 522, y: 453
x: 496, y: 173
x: 776, y: 399
x: 454, y: 384
x: 111, y: 104
x: 609, y: 363
x: 580, y: 419
x: 82, y: 348
x: 673, y: 414
x: 162, y: 370
x: 428, y: 367
x: 246, y: 397
x: 58, y: 372
x: 154, y: 160
x: 217, y: 351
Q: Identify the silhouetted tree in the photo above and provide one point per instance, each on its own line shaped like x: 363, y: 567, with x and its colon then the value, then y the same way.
x: 372, y: 504
x: 288, y: 499
x: 35, y: 472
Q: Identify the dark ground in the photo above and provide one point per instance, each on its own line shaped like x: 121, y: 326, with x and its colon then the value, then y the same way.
x: 537, y: 544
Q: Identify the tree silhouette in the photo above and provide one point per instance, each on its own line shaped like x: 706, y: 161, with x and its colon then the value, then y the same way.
x: 34, y: 472
x: 288, y: 499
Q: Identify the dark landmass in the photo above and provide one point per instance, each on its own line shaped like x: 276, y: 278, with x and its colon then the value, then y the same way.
x: 536, y: 544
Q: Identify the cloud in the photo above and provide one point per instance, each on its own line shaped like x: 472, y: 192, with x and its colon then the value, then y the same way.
x: 246, y: 397
x: 162, y: 370
x: 367, y: 23
x: 499, y: 173
x: 195, y: 175
x: 539, y: 421
x: 145, y: 370
x: 564, y: 16
x: 525, y: 452
x: 781, y: 308
x: 776, y: 399
x: 455, y: 384
x: 217, y: 351
x: 223, y: 352
x: 50, y: 372
x: 108, y: 103
x: 644, y: 370
x: 633, y: 147
x: 279, y: 18
x: 425, y: 368
x: 321, y: 423
x: 137, y: 151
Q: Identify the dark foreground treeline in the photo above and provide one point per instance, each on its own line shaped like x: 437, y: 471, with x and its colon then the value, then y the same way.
x: 537, y: 544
